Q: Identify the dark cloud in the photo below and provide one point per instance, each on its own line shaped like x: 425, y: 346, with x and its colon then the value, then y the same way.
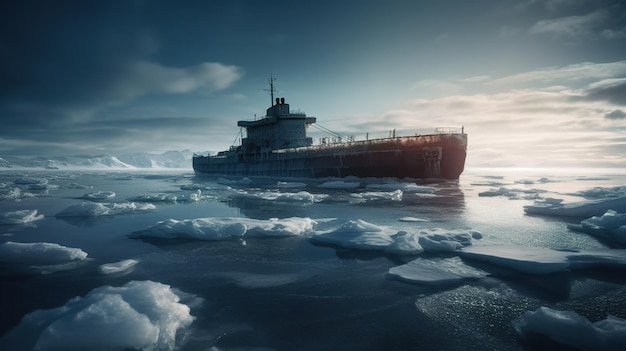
x: 610, y: 90
x: 615, y: 114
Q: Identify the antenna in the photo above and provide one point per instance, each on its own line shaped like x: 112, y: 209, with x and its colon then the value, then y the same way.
x: 271, y: 89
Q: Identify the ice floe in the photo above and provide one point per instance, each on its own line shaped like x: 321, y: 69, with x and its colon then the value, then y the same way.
x: 435, y: 271
x: 227, y: 228
x: 20, y: 217
x: 361, y: 235
x: 290, y: 185
x: 278, y: 196
x: 572, y: 329
x: 40, y: 254
x: 95, y: 209
x: 610, y: 226
x: 141, y: 315
x: 577, y: 209
x: 14, y: 194
x: 513, y: 193
x: 540, y: 260
x: 99, y: 195
x: 413, y: 219
x: 169, y: 198
x: 124, y: 266
x: 602, y: 192
x: 31, y: 181
x: 404, y: 186
x: 378, y: 195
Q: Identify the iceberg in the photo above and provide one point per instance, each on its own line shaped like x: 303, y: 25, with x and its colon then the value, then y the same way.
x: 572, y: 329
x: 19, y: 217
x: 227, y: 228
x: 141, y: 315
x: 94, y: 209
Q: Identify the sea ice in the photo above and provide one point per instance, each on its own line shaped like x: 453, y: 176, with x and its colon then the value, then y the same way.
x: 577, y: 209
x: 39, y: 254
x: 602, y: 192
x: 228, y: 228
x: 378, y: 195
x: 435, y: 271
x: 290, y: 185
x: 572, y: 329
x: 610, y: 226
x: 359, y: 234
x: 99, y: 195
x: 413, y: 219
x: 94, y: 209
x: 523, y: 194
x: 123, y: 266
x: 141, y: 315
x: 31, y: 181
x: 539, y: 260
x: 404, y: 186
x: 19, y: 217
x: 277, y: 196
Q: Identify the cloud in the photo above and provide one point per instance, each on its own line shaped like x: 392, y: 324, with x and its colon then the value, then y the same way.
x: 573, y: 26
x: 610, y: 90
x: 615, y: 114
x: 576, y: 72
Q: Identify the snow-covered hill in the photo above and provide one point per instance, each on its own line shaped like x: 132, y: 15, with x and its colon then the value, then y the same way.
x: 143, y: 160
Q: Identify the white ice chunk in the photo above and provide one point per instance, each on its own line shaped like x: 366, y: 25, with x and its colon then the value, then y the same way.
x: 538, y: 260
x: 569, y: 328
x: 339, y: 184
x: 19, y: 217
x: 577, y: 209
x: 602, y: 192
x: 436, y: 271
x: 123, y: 266
x: 609, y: 226
x: 357, y: 234
x: 277, y: 196
x: 379, y: 195
x: 141, y: 315
x: 93, y: 209
x: 31, y: 181
x: 228, y: 228
x: 99, y: 195
x: 513, y: 193
x: 446, y: 240
x: 39, y: 254
x: 413, y: 219
x: 155, y: 198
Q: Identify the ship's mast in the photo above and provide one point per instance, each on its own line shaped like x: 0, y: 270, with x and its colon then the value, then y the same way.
x: 271, y: 81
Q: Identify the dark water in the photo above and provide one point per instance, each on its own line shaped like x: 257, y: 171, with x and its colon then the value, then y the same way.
x: 287, y: 293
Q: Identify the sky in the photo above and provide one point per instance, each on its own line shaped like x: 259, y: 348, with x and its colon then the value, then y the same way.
x: 534, y: 83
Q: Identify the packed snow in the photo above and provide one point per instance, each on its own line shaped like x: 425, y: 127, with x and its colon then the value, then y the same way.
x: 227, y: 228
x: 141, y: 315
x: 610, y: 226
x: 571, y: 329
x: 20, y: 217
x: 95, y: 209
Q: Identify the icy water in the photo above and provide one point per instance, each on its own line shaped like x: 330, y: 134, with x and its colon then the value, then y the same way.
x: 276, y: 264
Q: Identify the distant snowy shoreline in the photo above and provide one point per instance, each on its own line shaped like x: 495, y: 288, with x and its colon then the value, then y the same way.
x: 171, y: 160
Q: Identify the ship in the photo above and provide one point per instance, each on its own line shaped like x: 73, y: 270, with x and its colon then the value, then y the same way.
x: 277, y: 145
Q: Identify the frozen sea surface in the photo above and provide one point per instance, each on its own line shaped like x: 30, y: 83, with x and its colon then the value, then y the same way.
x: 499, y: 260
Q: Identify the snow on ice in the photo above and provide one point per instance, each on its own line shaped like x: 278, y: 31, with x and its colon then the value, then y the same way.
x: 577, y: 209
x: 141, y: 315
x: 99, y: 195
x: 610, y: 226
x: 94, y: 209
x: 40, y: 257
x: 572, y: 329
x: 19, y: 217
x: 435, y: 271
x: 124, y: 266
x: 227, y: 228
x: 277, y: 196
x: 540, y: 260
